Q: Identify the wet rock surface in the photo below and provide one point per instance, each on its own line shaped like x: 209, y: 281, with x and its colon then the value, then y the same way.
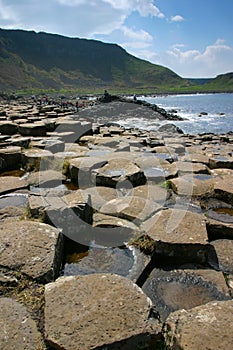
x: 184, y: 289
x: 111, y: 209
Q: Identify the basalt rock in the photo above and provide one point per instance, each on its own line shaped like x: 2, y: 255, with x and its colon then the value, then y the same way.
x: 96, y: 311
x: 19, y: 330
x: 203, y: 327
x: 31, y: 248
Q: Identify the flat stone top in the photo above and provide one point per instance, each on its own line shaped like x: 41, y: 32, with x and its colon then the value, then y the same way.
x: 84, y: 312
x: 28, y: 246
x: 206, y: 327
x: 18, y: 330
x: 177, y: 226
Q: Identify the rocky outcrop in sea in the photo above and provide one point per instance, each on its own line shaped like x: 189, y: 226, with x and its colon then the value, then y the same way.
x: 112, y: 238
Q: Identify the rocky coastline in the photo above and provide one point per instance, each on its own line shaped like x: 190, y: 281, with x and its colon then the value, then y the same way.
x: 112, y: 238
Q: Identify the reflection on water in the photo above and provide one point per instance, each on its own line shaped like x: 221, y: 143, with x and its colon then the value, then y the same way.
x: 221, y: 214
x: 83, y: 260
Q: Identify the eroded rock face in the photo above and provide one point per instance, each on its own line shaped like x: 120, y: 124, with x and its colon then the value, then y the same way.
x: 221, y: 256
x: 18, y: 329
x: 32, y: 248
x: 203, y: 327
x: 10, y: 158
x: 95, y: 311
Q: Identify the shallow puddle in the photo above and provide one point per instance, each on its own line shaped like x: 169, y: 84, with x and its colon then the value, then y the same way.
x: 177, y: 289
x: 221, y: 214
x: 83, y: 260
x: 203, y: 177
x: 16, y: 173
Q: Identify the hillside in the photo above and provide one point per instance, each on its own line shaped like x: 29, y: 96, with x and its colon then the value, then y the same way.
x: 223, y: 82
x: 30, y: 60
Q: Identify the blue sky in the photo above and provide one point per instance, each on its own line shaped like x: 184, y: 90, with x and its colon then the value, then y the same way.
x: 194, y: 38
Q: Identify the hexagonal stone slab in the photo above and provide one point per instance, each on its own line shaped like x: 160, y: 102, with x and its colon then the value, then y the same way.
x: 18, y: 329
x: 119, y: 171
x: 97, y: 311
x: 33, y: 248
x: 204, y: 327
x: 192, y: 185
x: 136, y: 209
x: 178, y: 234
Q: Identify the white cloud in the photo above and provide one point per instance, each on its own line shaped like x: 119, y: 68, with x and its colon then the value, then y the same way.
x: 177, y: 18
x: 215, y: 59
x: 144, y: 7
x: 140, y: 35
x: 6, y: 13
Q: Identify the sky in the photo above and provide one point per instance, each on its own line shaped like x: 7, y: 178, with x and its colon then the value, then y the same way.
x: 194, y: 38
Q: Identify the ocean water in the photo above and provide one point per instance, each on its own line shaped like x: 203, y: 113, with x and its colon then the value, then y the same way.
x: 219, y: 109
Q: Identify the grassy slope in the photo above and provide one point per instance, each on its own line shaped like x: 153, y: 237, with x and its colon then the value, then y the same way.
x: 42, y: 62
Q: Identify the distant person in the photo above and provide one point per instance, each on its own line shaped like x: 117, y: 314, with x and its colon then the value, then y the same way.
x: 135, y: 98
x: 106, y: 95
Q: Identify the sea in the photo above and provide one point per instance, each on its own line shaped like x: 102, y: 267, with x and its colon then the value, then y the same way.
x: 202, y: 113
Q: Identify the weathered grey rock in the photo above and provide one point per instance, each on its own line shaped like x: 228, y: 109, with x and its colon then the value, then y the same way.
x: 170, y: 128
x: 20, y: 141
x: 155, y: 169
x: 102, y: 220
x: 189, y: 167
x: 184, y: 289
x: 46, y: 178
x: 32, y: 129
x: 178, y: 234
x: 219, y: 229
x: 119, y: 171
x: 100, y: 195
x: 10, y: 158
x: 95, y: 311
x: 76, y: 127
x: 136, y: 209
x: 80, y: 169
x: 151, y: 192
x: 221, y: 162
x: 203, y: 327
x: 50, y: 144
x: 192, y: 185
x: 33, y: 248
x: 221, y: 256
x: 18, y: 329
x: 8, y: 128
x: 62, y: 210
x: 11, y: 183
x: 195, y: 158
x: 35, y: 158
x: 223, y: 188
